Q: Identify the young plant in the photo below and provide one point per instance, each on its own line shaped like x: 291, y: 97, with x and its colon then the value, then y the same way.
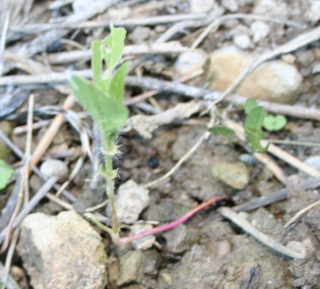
x: 103, y: 99
x: 257, y: 118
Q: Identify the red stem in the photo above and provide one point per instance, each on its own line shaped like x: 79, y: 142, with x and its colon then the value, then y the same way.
x: 173, y: 224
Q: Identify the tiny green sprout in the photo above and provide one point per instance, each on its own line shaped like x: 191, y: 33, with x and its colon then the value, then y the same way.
x: 103, y: 99
x: 274, y: 123
x: 6, y: 172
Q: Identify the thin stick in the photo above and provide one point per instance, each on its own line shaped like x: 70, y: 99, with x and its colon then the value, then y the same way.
x: 10, y: 253
x: 295, y: 143
x: 261, y: 237
x: 300, y: 213
x: 19, y: 153
x: 280, y: 195
x: 11, y: 284
x: 28, y: 147
x: 4, y: 37
x: 164, y: 19
x: 51, y: 132
x: 27, y: 209
x: 205, y: 136
x: 173, y: 224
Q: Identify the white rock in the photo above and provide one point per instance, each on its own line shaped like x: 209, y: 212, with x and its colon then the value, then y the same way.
x: 242, y: 41
x: 231, y: 5
x: 274, y: 81
x: 202, y: 6
x: 140, y: 34
x: 55, y: 168
x: 259, y: 30
x: 190, y: 61
x: 313, y: 11
x: 62, y: 251
x: 275, y: 8
x: 130, y: 202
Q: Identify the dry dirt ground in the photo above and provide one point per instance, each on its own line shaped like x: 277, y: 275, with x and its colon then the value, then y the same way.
x: 241, y: 242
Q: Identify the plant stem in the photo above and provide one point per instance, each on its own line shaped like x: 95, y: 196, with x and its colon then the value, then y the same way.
x: 173, y: 224
x: 110, y: 188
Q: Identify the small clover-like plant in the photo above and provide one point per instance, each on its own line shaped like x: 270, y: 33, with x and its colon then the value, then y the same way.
x: 103, y: 99
x: 257, y: 118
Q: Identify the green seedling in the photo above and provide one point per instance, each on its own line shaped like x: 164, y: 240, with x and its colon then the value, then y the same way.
x: 257, y: 118
x: 103, y: 99
x: 5, y: 172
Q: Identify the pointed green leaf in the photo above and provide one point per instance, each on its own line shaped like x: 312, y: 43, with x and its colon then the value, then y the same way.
x: 96, y: 64
x: 6, y: 172
x: 118, y: 81
x: 109, y: 113
x: 249, y: 105
x: 253, y: 125
x: 115, y: 43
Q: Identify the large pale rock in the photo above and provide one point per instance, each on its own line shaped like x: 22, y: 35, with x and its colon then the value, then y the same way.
x: 62, y: 252
x: 274, y: 81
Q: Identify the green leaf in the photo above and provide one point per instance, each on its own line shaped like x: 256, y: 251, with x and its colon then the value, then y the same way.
x: 274, y: 123
x: 6, y: 172
x: 108, y: 112
x: 222, y: 130
x: 118, y: 81
x: 96, y: 65
x: 253, y: 125
x: 115, y: 43
x: 249, y: 105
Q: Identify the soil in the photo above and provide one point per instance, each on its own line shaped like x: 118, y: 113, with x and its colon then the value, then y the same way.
x: 206, y: 251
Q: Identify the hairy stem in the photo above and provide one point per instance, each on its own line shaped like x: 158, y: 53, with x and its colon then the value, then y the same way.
x: 109, y: 175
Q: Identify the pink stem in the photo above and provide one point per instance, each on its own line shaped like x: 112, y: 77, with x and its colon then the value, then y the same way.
x: 173, y: 224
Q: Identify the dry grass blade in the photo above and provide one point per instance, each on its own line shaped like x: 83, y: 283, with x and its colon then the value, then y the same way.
x: 261, y: 237
x: 156, y: 20
x: 300, y: 213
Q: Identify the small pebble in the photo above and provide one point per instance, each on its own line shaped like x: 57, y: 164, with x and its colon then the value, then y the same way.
x: 259, y: 30
x: 55, y: 168
x: 231, y: 5
x: 242, y: 41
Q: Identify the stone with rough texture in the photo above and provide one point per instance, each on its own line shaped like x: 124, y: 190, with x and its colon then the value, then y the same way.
x: 62, y: 252
x: 55, y: 168
x: 130, y: 202
x: 201, y: 6
x: 235, y: 175
x: 259, y: 30
x: 190, y: 62
x: 131, y: 268
x: 274, y: 81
